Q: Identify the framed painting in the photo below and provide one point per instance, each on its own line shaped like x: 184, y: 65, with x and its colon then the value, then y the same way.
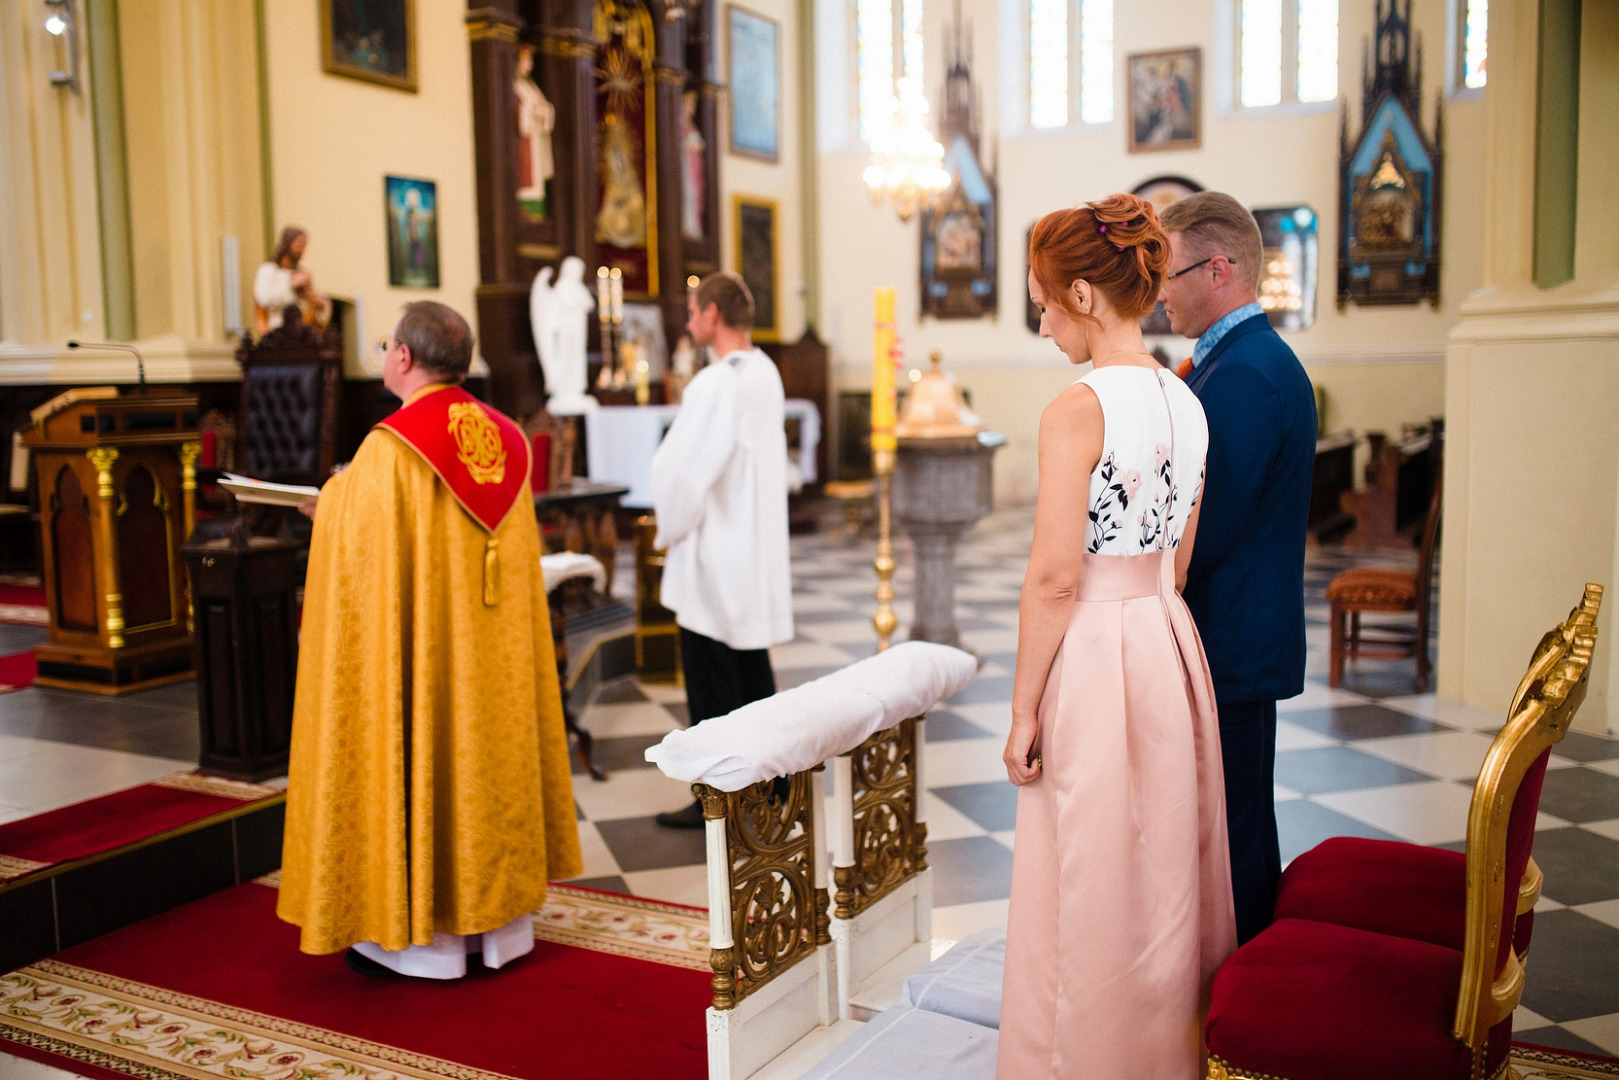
x: 1166, y: 100
x: 755, y: 232
x: 412, y: 208
x: 753, y: 44
x: 374, y: 40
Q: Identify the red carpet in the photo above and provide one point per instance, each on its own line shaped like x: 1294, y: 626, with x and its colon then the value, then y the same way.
x: 23, y: 604
x: 17, y: 671
x: 124, y: 818
x: 218, y: 988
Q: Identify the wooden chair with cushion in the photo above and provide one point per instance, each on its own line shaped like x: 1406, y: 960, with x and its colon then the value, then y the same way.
x: 1373, y: 589
x: 1311, y: 999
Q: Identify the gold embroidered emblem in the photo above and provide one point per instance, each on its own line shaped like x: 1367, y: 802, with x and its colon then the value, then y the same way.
x: 477, y: 443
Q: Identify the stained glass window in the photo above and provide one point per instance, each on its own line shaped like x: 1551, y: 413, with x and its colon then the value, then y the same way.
x: 1318, y: 50
x: 1261, y: 52
x: 1096, y: 61
x: 1475, y: 42
x: 874, y: 47
x: 1048, y: 63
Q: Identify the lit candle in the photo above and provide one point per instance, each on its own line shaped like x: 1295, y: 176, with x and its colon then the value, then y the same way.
x: 882, y: 374
x: 616, y: 281
x: 603, y: 306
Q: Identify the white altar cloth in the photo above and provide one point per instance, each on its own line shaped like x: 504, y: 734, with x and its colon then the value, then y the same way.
x: 620, y: 441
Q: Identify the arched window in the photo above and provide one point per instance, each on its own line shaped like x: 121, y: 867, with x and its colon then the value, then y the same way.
x: 1058, y: 31
x: 1474, y: 39
x: 888, y: 45
x: 1288, y: 51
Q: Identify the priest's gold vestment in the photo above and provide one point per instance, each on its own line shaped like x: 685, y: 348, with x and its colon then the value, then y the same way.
x: 429, y: 786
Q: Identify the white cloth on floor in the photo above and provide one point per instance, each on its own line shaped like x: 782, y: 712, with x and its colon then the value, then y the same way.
x: 798, y: 729
x: 446, y: 958
x: 719, y: 487
x: 905, y: 1043
x: 567, y: 565
x: 965, y: 982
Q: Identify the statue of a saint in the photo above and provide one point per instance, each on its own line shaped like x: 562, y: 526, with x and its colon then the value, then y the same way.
x: 560, y: 316
x: 536, y: 119
x: 694, y: 186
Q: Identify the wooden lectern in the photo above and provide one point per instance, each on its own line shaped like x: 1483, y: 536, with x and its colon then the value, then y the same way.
x: 117, y: 498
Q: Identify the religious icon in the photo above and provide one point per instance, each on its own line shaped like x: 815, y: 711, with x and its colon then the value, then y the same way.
x: 374, y: 40
x: 412, y: 232
x: 622, y: 218
x: 536, y: 118
x: 1166, y: 100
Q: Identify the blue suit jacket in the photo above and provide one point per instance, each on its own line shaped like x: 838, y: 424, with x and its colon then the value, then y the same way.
x: 1245, y: 585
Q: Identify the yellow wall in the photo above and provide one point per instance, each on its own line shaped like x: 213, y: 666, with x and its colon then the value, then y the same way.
x: 332, y: 141
x: 1381, y: 367
x: 1532, y: 396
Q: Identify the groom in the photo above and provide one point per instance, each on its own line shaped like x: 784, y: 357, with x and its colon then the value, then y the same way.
x: 1245, y: 585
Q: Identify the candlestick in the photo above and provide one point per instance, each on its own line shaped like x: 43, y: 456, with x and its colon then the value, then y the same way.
x: 882, y: 462
x: 615, y: 281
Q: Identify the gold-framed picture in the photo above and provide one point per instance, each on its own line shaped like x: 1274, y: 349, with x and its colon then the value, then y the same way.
x: 372, y: 40
x: 753, y: 44
x: 1166, y: 100
x: 754, y: 222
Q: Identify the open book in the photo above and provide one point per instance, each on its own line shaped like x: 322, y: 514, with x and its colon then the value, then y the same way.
x: 248, y: 490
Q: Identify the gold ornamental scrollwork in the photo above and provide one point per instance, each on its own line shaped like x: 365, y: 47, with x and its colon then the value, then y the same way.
x: 490, y: 30
x: 890, y: 845
x: 775, y: 907
x: 102, y: 458
x: 189, y: 453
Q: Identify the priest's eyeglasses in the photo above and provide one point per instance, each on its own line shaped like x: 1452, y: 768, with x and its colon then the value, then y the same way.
x: 1194, y: 266
x: 381, y: 347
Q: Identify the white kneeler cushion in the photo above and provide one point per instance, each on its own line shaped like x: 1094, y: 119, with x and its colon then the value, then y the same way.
x: 905, y: 1043
x: 964, y: 983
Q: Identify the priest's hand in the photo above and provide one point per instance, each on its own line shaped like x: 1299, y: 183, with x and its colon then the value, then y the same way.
x: 1022, y: 760
x: 307, y: 507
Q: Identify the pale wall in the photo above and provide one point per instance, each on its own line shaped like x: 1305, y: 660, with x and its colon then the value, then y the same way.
x: 332, y: 141
x: 1380, y: 366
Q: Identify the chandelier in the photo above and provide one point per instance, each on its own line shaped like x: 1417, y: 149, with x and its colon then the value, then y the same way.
x: 907, y: 161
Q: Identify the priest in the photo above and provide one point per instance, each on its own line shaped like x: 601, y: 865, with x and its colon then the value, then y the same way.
x: 428, y: 797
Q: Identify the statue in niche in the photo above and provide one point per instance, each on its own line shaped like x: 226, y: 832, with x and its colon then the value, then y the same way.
x: 694, y: 186
x: 560, y: 317
x: 622, y: 218
x: 536, y: 119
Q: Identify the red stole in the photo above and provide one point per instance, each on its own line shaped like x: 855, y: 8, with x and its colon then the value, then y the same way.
x: 481, y: 456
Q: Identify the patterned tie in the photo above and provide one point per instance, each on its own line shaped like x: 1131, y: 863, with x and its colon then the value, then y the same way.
x: 1185, y: 370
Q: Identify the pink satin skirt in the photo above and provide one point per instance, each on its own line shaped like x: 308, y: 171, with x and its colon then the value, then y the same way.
x: 1121, y: 880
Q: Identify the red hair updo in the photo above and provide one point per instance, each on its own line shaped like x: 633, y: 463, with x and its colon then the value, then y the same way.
x: 1116, y: 244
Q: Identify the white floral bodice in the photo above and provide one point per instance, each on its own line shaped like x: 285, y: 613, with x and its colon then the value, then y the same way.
x: 1151, y: 472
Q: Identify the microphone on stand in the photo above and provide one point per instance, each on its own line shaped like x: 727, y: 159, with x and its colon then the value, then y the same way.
x: 140, y: 363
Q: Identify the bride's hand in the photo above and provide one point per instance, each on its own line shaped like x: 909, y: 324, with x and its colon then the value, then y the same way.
x: 1020, y: 768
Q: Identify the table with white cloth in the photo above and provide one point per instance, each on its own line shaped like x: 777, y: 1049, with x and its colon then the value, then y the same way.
x: 621, y: 439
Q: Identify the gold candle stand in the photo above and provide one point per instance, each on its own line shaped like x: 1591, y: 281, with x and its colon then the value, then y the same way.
x: 884, y: 621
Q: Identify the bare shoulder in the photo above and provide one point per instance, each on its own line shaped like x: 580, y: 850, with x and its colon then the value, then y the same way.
x: 1074, y: 410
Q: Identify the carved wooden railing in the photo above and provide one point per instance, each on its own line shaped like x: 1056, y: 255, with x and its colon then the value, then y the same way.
x: 879, y: 841
x: 768, y: 899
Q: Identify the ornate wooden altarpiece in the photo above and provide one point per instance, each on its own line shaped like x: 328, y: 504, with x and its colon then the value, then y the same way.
x: 634, y: 149
x: 1390, y: 178
x: 958, y: 263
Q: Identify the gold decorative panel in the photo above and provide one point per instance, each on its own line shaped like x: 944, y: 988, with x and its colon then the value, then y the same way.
x: 889, y: 843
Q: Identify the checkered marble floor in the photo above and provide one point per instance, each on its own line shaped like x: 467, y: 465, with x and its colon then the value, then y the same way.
x: 1368, y: 759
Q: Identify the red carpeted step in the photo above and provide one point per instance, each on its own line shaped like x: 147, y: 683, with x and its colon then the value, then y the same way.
x: 558, y: 1012
x: 18, y: 671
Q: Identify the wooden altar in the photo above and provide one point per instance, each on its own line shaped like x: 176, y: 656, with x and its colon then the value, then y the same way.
x: 596, y: 130
x: 117, y: 496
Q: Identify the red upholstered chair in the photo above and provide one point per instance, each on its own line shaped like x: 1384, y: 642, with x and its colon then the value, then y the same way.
x: 1406, y: 889
x: 1311, y: 1000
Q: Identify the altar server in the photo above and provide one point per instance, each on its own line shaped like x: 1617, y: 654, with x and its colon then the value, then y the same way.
x: 719, y: 487
x: 429, y: 797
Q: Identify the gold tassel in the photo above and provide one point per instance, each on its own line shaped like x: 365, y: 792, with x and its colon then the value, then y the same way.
x: 491, y: 572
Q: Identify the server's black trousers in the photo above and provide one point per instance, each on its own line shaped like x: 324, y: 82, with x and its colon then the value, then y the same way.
x: 720, y: 679
x: 1248, y: 750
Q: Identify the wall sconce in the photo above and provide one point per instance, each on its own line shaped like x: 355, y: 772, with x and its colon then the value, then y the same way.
x: 62, y: 24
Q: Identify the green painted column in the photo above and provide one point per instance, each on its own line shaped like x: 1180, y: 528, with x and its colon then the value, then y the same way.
x: 1557, y: 139
x: 112, y: 167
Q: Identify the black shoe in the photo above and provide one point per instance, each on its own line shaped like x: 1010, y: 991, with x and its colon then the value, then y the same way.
x: 364, y: 965
x: 689, y: 818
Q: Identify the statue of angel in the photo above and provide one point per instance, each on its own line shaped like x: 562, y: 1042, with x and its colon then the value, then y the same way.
x: 560, y: 317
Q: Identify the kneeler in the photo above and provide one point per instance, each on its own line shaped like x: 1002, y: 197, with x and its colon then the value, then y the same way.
x: 1312, y: 999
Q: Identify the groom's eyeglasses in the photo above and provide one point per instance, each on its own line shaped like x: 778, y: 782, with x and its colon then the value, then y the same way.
x: 1194, y: 266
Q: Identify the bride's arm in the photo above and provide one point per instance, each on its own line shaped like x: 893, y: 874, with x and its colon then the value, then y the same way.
x: 1070, y: 447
